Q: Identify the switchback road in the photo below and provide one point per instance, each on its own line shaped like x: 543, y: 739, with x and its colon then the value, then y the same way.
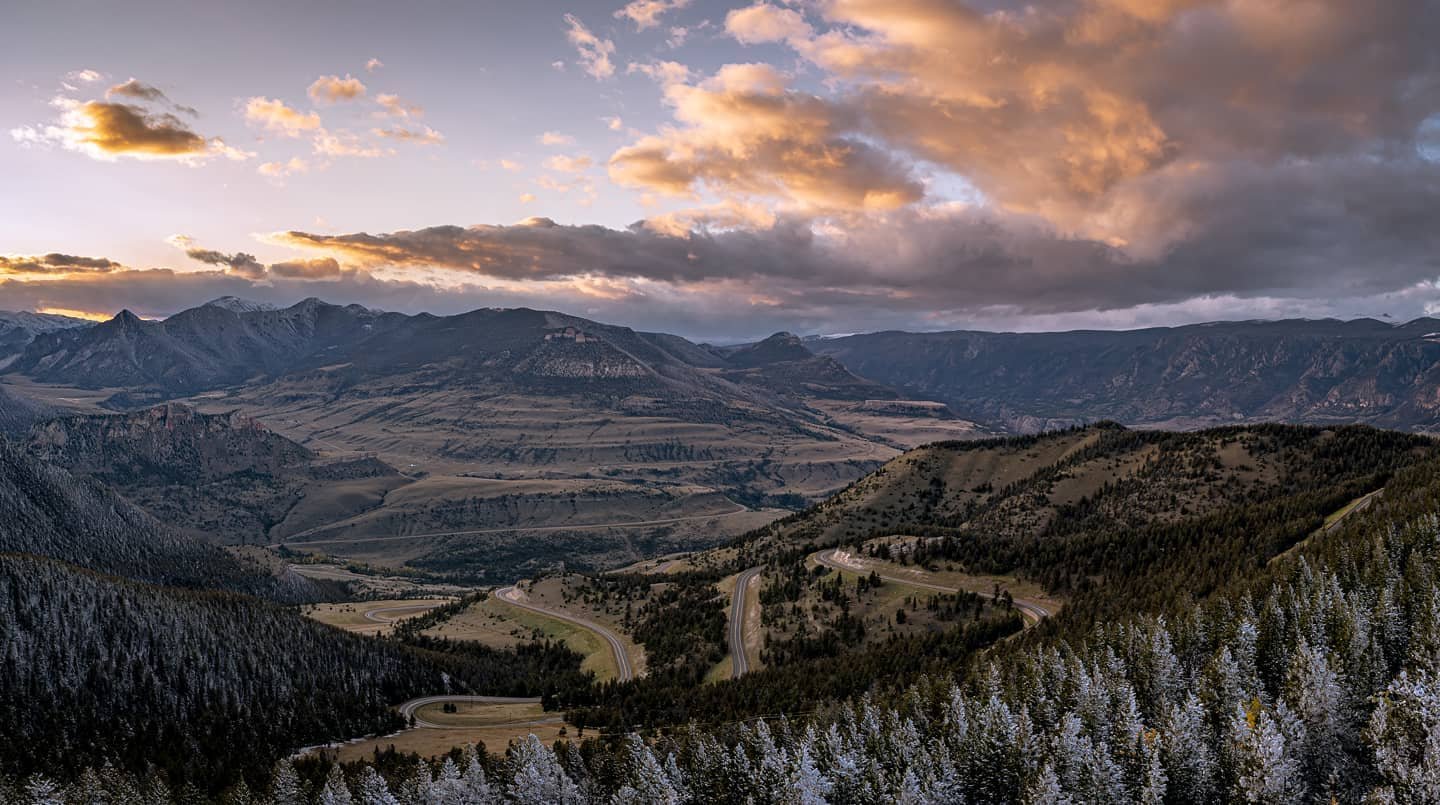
x: 624, y: 672
x: 739, y: 664
x: 408, y: 709
x: 836, y: 560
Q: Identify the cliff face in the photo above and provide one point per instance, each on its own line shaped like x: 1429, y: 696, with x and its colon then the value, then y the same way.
x: 169, y: 442
x: 222, y: 476
x: 1288, y: 371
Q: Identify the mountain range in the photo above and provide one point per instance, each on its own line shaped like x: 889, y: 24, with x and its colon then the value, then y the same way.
x: 1299, y: 371
x: 1304, y: 371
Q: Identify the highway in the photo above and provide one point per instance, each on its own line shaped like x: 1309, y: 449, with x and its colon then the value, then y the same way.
x: 625, y: 673
x: 382, y: 615
x: 739, y: 664
x: 1033, y: 612
x: 408, y: 709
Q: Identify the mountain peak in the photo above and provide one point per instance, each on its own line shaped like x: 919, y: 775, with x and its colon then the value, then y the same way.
x: 778, y: 348
x: 235, y: 304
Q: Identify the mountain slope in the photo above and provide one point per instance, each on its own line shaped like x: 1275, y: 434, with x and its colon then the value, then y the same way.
x: 224, y: 476
x: 19, y: 328
x: 18, y: 413
x: 48, y: 512
x: 204, y: 685
x: 1291, y: 371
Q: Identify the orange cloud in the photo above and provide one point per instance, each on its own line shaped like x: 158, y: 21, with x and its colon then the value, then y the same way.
x: 568, y: 164
x: 395, y: 106
x: 334, y: 89
x: 279, y: 170
x: 594, y: 52
x: 276, y: 117
x: 421, y: 136
x: 763, y: 22
x: 107, y: 131
x: 746, y: 132
x: 647, y: 13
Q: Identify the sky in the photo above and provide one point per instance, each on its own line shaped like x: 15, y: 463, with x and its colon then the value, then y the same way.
x: 723, y: 170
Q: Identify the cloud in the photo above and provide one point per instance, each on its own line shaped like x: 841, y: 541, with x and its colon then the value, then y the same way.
x: 663, y: 73
x: 511, y: 165
x: 1050, y: 109
x: 54, y: 264
x: 745, y: 131
x: 613, y: 123
x: 134, y: 88
x: 1332, y: 237
x: 424, y: 135
x: 279, y: 170
x: 108, y: 131
x: 594, y: 52
x: 395, y: 106
x: 526, y: 198
x: 334, y: 89
x: 569, y: 164
x: 239, y: 263
x: 555, y: 138
x: 347, y: 144
x: 139, y: 90
x: 763, y: 22
x: 84, y: 76
x: 647, y: 13
x: 373, y: 65
x: 277, y: 118
x: 318, y: 268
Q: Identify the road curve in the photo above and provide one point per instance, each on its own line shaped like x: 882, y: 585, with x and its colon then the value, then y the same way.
x: 625, y: 673
x: 297, y: 539
x: 408, y: 709
x: 739, y: 664
x: 379, y: 615
x: 1033, y: 612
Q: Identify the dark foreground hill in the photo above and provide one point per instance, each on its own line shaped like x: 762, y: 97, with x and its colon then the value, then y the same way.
x: 196, y: 684
x: 1307, y: 676
x: 1298, y: 371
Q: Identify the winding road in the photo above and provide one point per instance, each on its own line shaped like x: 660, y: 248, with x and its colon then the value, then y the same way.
x: 381, y: 616
x: 739, y: 664
x: 624, y: 672
x: 1032, y: 612
x: 408, y: 709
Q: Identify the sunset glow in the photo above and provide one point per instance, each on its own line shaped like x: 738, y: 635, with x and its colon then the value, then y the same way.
x: 850, y: 162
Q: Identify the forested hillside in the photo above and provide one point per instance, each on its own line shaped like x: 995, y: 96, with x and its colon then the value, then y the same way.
x: 201, y: 685
x: 48, y: 512
x: 1314, y: 680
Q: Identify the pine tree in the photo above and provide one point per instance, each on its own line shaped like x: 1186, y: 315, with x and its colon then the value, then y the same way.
x: 41, y: 791
x: 285, y: 785
x: 1045, y: 789
x: 538, y: 778
x: 373, y: 790
x: 335, y: 791
x: 1404, y: 734
x: 477, y: 787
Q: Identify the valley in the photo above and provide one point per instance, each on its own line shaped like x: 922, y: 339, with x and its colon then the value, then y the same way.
x: 582, y: 540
